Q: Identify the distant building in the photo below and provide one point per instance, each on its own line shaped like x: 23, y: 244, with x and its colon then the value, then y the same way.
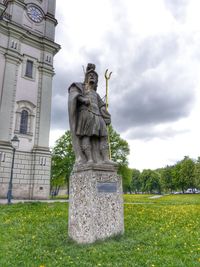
x: 27, y: 48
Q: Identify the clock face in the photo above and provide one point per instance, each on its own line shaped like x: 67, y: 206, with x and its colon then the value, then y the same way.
x: 34, y: 13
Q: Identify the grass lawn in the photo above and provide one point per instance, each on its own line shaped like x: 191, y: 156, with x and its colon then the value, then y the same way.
x: 158, y: 232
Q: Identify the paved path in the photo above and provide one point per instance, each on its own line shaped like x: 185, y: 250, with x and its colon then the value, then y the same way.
x: 157, y: 196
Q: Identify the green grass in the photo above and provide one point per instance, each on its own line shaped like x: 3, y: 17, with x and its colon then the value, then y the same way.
x: 138, y: 198
x: 60, y: 197
x: 165, y: 233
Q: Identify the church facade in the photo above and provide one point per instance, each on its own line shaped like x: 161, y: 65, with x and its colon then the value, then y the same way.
x: 27, y: 48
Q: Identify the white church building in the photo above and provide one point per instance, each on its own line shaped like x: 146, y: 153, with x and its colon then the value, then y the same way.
x: 27, y: 48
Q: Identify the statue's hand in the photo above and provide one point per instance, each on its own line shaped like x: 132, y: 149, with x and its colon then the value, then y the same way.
x: 86, y: 101
x: 106, y: 115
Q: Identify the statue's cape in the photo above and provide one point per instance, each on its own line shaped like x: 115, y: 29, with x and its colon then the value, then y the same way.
x: 74, y: 90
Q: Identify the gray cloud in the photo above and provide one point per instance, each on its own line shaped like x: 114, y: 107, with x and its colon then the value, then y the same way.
x: 153, y: 50
x: 153, y: 86
x: 150, y: 132
x: 149, y: 104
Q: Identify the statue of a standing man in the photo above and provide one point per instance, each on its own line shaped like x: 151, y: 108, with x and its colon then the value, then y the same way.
x: 88, y: 119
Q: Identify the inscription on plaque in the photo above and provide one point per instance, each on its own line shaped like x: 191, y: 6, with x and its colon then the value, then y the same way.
x: 107, y: 187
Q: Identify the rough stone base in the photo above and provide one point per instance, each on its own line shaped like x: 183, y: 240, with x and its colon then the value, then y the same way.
x: 95, y: 204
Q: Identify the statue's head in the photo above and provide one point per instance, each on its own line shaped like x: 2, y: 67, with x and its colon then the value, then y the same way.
x: 91, y: 77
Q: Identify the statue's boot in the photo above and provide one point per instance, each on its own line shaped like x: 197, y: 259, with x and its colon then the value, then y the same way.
x: 88, y: 154
x: 79, y: 161
x: 106, y: 159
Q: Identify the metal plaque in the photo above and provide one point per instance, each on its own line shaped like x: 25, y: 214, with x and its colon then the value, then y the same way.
x: 107, y: 187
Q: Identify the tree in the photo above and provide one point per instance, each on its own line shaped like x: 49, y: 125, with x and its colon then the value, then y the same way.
x: 119, y: 154
x: 188, y: 171
x: 150, y: 181
x: 126, y: 174
x: 135, y: 181
x: 119, y: 148
x: 167, y: 181
x: 197, y: 173
x: 153, y: 184
x: 63, y: 159
x: 184, y: 172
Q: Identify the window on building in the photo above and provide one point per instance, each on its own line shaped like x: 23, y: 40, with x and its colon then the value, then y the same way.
x: 29, y: 69
x: 24, y: 122
x: 25, y: 118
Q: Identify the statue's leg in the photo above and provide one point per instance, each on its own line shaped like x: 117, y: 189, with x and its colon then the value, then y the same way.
x: 104, y: 148
x: 87, y: 148
x: 80, y: 158
x: 96, y: 150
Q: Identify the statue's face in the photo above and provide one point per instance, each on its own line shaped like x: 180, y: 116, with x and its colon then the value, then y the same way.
x: 92, y: 78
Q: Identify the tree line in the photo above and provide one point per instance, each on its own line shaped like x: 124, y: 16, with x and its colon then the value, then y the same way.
x: 178, y: 177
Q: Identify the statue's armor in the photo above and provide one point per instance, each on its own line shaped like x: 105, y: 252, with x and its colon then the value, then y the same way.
x: 90, y: 120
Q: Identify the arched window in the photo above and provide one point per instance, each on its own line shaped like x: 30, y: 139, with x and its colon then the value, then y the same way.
x: 25, y: 118
x: 24, y: 122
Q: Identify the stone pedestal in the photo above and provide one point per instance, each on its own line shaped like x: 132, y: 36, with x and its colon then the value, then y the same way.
x: 95, y: 204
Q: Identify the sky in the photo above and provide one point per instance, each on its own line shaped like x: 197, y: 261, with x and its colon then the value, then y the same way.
x: 153, y: 50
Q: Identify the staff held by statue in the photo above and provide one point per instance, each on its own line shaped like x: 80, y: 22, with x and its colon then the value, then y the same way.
x: 107, y: 77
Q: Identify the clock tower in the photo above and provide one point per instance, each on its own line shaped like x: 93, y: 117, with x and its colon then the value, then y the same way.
x: 27, y: 48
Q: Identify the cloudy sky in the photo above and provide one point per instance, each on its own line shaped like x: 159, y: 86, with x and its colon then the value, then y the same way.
x: 153, y: 49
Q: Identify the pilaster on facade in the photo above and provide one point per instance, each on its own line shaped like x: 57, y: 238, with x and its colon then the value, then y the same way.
x: 40, y: 182
x: 8, y: 96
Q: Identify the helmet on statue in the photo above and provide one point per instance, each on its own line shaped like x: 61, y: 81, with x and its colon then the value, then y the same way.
x: 91, y: 75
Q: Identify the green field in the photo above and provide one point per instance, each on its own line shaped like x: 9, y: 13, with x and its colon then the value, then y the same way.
x: 158, y: 232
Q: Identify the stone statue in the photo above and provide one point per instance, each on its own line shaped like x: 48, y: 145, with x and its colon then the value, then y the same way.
x: 88, y: 119
x: 95, y: 189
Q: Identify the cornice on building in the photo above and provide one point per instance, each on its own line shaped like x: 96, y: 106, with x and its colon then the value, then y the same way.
x: 51, y: 18
x: 45, y: 68
x: 13, y: 57
x: 29, y: 37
